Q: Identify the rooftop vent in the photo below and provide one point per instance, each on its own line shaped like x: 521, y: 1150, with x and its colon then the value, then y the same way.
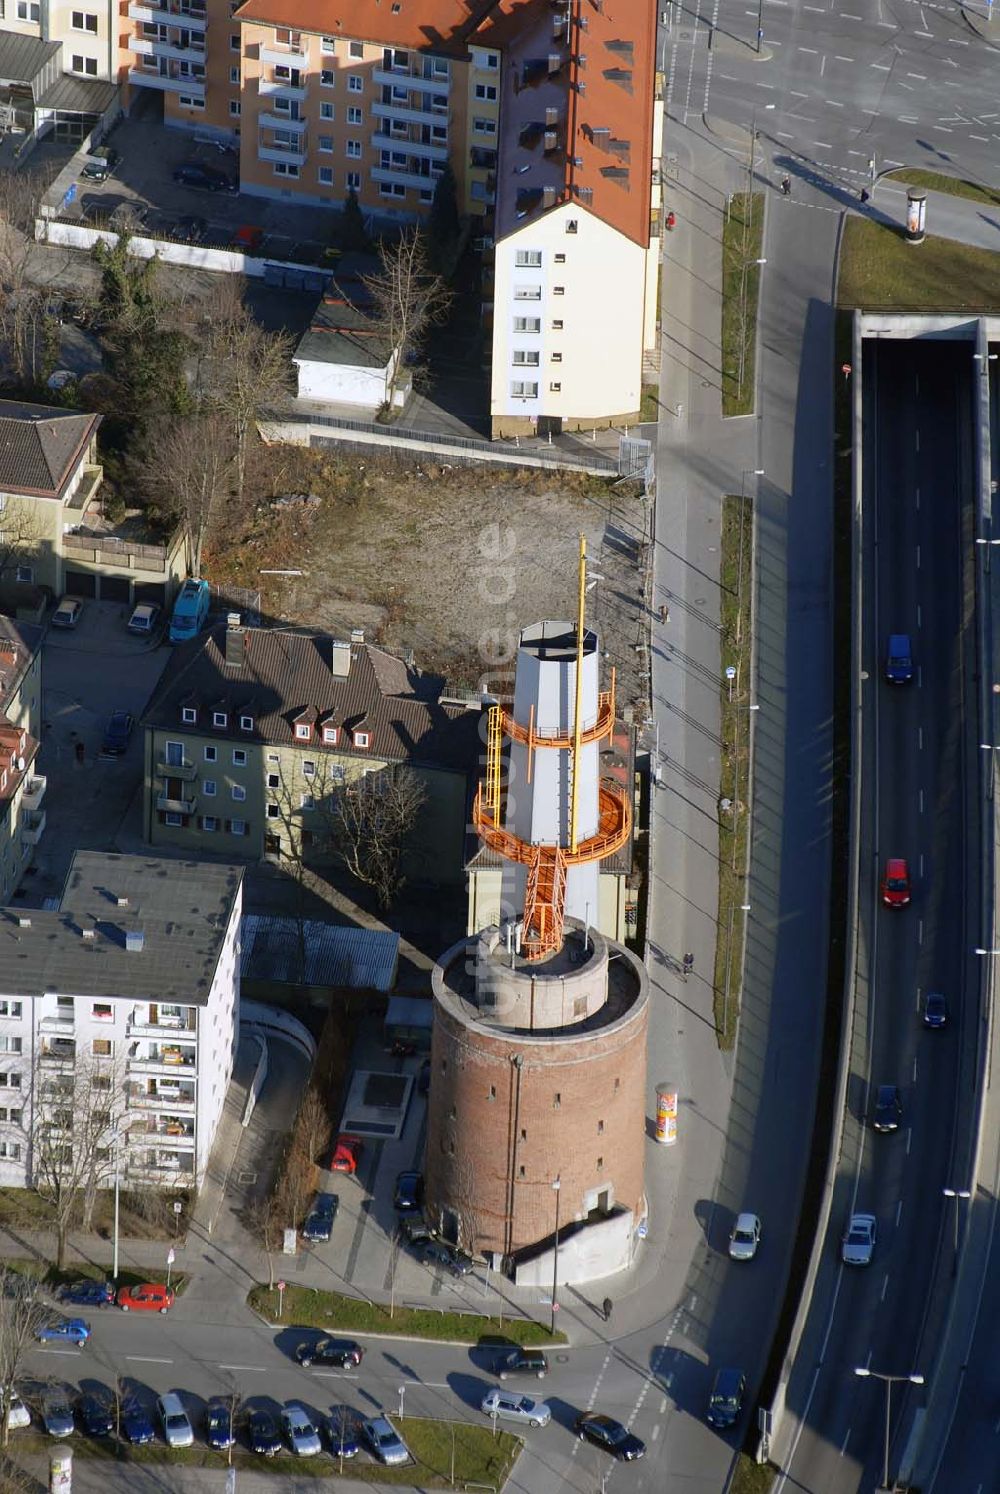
x: 121, y: 902
x: 134, y: 940
x: 88, y: 931
x: 357, y: 636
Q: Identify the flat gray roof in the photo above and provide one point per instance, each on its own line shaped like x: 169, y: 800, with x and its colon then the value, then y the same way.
x: 180, y: 908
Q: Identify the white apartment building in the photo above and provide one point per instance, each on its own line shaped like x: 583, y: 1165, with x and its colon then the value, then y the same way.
x: 129, y: 989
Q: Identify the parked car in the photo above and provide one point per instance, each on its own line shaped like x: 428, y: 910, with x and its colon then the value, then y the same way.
x: 899, y: 659
x: 507, y: 1405
x: 136, y: 1422
x: 611, y: 1435
x: 64, y: 1331
x: 100, y: 164
x: 858, y: 1244
x: 88, y: 1294
x: 346, y: 1154
x: 144, y: 619
x: 264, y: 1437
x: 415, y: 1230
x: 935, y: 1010
x: 319, y: 1221
x: 409, y: 1192
x: 341, y: 1430
x: 57, y: 1414
x: 117, y: 733
x: 342, y: 1352
x: 519, y: 1361
x: 300, y: 1433
x: 383, y: 1441
x: 190, y: 229
x: 896, y: 883
x: 888, y: 1108
x: 204, y: 178
x: 219, y: 1418
x: 18, y: 1414
x: 177, y: 1428
x: 150, y: 1297
x: 67, y: 614
x: 745, y: 1238
x: 439, y: 1252
x: 97, y: 1415
x: 190, y: 610
x: 725, y: 1400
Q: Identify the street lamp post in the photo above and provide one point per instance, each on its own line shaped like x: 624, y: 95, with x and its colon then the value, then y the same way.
x: 888, y: 1381
x: 957, y: 1194
x: 114, y: 1248
x: 556, y: 1187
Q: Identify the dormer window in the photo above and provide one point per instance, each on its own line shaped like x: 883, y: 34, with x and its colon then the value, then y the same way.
x: 189, y: 715
x: 246, y: 723
x: 361, y: 738
x: 220, y: 718
x: 303, y: 731
x: 330, y: 735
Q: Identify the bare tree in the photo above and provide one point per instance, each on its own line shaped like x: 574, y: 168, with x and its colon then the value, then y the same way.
x: 407, y: 300
x: 264, y: 1221
x: 190, y: 467
x: 24, y: 307
x: 312, y: 1127
x: 21, y: 533
x: 72, y: 1118
x: 21, y: 1315
x: 370, y: 821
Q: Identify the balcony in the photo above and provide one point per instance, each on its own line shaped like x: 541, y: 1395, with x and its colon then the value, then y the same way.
x: 275, y: 56
x: 59, y: 1052
x: 407, y: 115
x: 269, y: 88
x: 171, y: 51
x: 179, y: 1129
x: 159, y: 1057
x: 140, y: 1024
x: 140, y: 78
x: 283, y: 122
x: 280, y: 153
x: 176, y: 806
x: 166, y: 1097
x: 34, y: 791
x: 91, y: 478
x: 64, y: 1025
x: 403, y: 177
x: 168, y: 14
x: 389, y: 79
x: 32, y: 826
x: 185, y: 771
x: 411, y: 147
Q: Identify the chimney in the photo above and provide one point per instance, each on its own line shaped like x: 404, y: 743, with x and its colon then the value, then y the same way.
x: 357, y: 637
x: 134, y: 940
x: 23, y: 921
x: 340, y: 661
x: 236, y: 642
x: 88, y: 932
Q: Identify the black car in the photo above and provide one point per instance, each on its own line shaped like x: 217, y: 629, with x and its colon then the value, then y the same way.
x: 343, y: 1352
x: 888, y: 1108
x: 409, y: 1193
x: 935, y: 1010
x: 726, y: 1398
x: 319, y: 1220
x: 136, y: 1422
x: 519, y: 1361
x: 605, y: 1432
x: 204, y: 178
x: 101, y: 162
x: 219, y: 1415
x: 263, y: 1433
x: 415, y: 1230
x: 97, y: 1416
x: 439, y: 1252
x: 88, y: 1294
x: 117, y: 734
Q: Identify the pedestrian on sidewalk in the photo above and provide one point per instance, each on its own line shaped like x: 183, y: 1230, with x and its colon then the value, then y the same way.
x: 664, y: 613
x: 607, y: 1305
x: 688, y: 964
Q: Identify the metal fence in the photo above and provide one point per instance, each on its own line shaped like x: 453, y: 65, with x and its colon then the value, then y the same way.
x: 238, y: 599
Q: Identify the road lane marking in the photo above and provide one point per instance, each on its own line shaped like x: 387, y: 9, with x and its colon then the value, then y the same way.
x: 921, y: 863
x: 918, y: 557
x: 881, y: 67
x: 246, y: 1369
x: 899, y: 1210
x: 921, y: 801
x: 920, y: 932
x: 813, y: 52
x: 834, y: 103
x: 920, y: 77
x: 843, y: 1445
x: 909, y: 1135
x: 885, y: 1286
x: 919, y: 610
x: 837, y: 58
x: 983, y: 138
x: 334, y: 1375
x: 146, y: 1359
x: 920, y: 739
x: 914, y: 1068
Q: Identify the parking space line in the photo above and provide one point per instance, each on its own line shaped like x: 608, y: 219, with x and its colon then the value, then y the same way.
x: 145, y: 1359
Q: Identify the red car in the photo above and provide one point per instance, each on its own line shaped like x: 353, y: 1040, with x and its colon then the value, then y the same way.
x: 150, y: 1297
x: 896, y: 883
x: 346, y: 1154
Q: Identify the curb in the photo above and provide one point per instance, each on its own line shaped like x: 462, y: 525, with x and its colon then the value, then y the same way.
x: 401, y: 1338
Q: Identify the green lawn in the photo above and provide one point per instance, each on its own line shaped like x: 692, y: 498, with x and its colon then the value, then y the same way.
x: 742, y: 236
x: 751, y: 1477
x: 880, y: 271
x: 734, y: 823
x: 52, y: 1278
x: 937, y: 181
x: 306, y: 1308
x: 479, y: 1457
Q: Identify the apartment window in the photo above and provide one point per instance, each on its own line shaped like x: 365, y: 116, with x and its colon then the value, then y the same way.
x: 246, y: 724
x: 173, y: 819
x: 330, y: 736
x: 487, y: 92
x: 273, y: 780
x: 356, y: 49
x: 9, y: 1044
x: 491, y: 60
x: 14, y: 1116
x: 618, y: 1085
x: 102, y: 1011
x: 600, y: 1164
x: 556, y: 1100
x: 355, y: 83
x: 527, y: 293
x: 272, y: 811
x: 240, y: 756
x: 560, y: 259
x: 208, y: 788
x: 29, y: 10
x: 354, y: 150
x: 326, y: 111
x: 10, y: 1008
x: 82, y: 20
x: 555, y: 388
x: 355, y: 115
x: 234, y: 108
x: 484, y: 126
x: 102, y: 1047
x: 238, y: 827
x: 558, y: 290
x: 326, y: 176
x: 11, y: 1150
x: 85, y: 65
x: 361, y: 738
x: 239, y: 793
x: 282, y: 168
x: 189, y: 715
x: 211, y: 754
x: 557, y: 357
x: 521, y: 390
x: 528, y: 259
x: 426, y: 194
x: 306, y: 801
x: 219, y: 718
x: 308, y: 769
x: 395, y: 58
x: 10, y: 1081
x: 354, y: 181
x: 273, y: 759
x: 209, y: 822
x: 557, y: 325
x: 328, y: 46
x: 526, y: 357
x: 234, y: 75
x: 286, y: 38
x: 326, y: 77
x: 234, y: 41
x: 303, y: 731
x: 188, y: 101
x: 26, y: 573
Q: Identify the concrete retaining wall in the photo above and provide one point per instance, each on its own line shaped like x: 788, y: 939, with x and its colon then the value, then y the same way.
x: 272, y: 1022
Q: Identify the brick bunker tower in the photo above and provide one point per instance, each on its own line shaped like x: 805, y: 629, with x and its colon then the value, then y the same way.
x: 536, y: 1121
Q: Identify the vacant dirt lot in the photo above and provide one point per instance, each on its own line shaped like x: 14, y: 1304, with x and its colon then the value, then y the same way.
x: 450, y: 562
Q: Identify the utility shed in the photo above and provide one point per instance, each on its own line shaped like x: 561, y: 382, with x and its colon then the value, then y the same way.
x: 287, y: 951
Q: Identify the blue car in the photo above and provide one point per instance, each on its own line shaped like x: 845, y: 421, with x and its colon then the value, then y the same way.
x: 219, y: 1415
x: 66, y: 1331
x: 136, y: 1422
x: 341, y: 1431
x: 190, y: 610
x: 88, y: 1294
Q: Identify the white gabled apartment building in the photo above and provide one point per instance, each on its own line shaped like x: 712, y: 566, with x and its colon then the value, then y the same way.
x: 576, y: 257
x: 125, y: 996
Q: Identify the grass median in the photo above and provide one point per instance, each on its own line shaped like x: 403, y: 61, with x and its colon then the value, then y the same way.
x: 881, y: 271
x: 305, y: 1308
x: 53, y: 1277
x: 938, y: 181
x: 736, y: 570
x: 742, y: 236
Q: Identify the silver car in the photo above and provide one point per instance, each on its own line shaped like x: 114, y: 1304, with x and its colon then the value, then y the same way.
x: 745, y: 1238
x: 57, y: 1414
x: 384, y: 1442
x: 299, y: 1431
x: 510, y: 1406
x: 177, y: 1428
x: 858, y: 1244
